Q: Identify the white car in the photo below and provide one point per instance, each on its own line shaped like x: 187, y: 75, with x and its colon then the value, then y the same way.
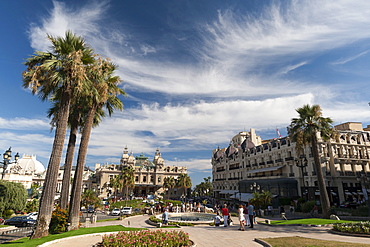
x: 126, y: 210
x: 115, y: 212
x: 33, y: 215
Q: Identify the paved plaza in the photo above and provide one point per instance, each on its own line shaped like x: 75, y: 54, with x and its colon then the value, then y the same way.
x: 206, y: 236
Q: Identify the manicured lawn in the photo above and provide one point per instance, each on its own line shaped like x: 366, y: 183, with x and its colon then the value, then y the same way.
x: 308, y: 242
x: 311, y: 221
x: 26, y: 242
x: 111, y: 219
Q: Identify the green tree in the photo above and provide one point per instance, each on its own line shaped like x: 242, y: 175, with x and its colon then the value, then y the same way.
x: 184, y: 182
x: 169, y: 183
x: 205, y: 188
x: 116, y: 184
x: 62, y: 69
x: 103, y: 93
x: 13, y: 196
x: 304, y: 131
x: 127, y: 179
x: 90, y: 198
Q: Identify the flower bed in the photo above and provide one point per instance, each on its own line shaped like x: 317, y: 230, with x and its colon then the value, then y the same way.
x: 362, y: 227
x: 147, y: 238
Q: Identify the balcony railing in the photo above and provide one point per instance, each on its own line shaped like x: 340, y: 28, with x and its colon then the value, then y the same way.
x: 233, y: 168
x: 278, y: 160
x: 289, y: 158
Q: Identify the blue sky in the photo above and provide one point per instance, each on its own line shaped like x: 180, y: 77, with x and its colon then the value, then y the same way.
x: 196, y: 72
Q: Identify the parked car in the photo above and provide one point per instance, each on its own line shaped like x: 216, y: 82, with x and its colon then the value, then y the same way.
x: 349, y: 205
x: 20, y: 221
x: 126, y: 210
x: 91, y: 210
x: 115, y: 212
x: 33, y: 215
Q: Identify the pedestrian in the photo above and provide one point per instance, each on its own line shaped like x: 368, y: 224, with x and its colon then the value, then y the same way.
x: 225, y: 214
x: 241, y: 217
x: 315, y: 210
x: 217, y: 219
x: 246, y: 216
x: 250, y: 213
x: 165, y: 217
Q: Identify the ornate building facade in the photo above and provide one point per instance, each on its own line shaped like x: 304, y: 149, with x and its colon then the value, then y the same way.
x: 249, y: 164
x: 148, y: 177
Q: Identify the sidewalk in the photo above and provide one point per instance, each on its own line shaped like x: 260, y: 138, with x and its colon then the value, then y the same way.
x: 206, y: 236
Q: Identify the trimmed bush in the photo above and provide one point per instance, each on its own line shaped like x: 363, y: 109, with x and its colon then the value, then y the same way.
x: 362, y: 227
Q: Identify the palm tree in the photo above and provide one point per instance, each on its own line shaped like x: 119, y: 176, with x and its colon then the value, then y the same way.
x: 90, y: 198
x: 103, y: 91
x: 115, y: 184
x: 303, y: 131
x: 62, y: 69
x: 169, y: 183
x: 75, y: 121
x: 127, y: 179
x: 184, y: 181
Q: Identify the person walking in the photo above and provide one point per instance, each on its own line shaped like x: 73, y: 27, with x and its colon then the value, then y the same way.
x: 251, y: 214
x: 165, y: 217
x: 241, y: 217
x: 225, y: 214
x: 246, y: 216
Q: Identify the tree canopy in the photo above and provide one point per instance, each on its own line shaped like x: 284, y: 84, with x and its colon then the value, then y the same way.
x: 12, y: 196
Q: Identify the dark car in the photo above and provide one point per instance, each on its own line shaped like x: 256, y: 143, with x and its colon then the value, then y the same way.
x: 20, y: 221
x: 352, y: 205
x: 91, y: 210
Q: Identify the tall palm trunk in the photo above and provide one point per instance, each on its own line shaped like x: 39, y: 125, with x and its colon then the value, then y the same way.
x: 51, y: 178
x: 324, y: 198
x: 64, y: 197
x: 77, y: 182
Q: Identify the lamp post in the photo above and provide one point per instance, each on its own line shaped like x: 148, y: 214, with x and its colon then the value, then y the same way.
x: 255, y: 187
x: 302, y: 163
x: 6, y: 160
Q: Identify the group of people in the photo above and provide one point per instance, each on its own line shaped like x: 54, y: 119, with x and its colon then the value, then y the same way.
x: 246, y: 216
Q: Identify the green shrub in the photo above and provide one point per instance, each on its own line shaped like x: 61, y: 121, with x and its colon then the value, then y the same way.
x: 307, y: 206
x: 59, y: 221
x: 7, y: 213
x: 147, y: 238
x: 362, y: 227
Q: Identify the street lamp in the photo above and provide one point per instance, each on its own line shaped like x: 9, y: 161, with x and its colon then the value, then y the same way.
x: 255, y: 187
x: 6, y: 160
x: 302, y: 163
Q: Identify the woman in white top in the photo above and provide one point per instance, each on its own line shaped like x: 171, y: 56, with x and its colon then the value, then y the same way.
x: 241, y: 217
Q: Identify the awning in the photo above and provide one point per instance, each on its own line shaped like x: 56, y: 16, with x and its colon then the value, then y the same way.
x: 267, y: 169
x: 317, y: 193
x: 360, y: 193
x: 230, y: 192
x: 243, y: 197
x: 348, y: 193
x: 354, y: 193
x: 333, y: 193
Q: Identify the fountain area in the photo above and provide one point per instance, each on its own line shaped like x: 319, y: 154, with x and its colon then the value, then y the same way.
x: 194, y: 218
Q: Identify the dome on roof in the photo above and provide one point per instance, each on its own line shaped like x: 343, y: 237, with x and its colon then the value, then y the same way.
x: 27, y: 165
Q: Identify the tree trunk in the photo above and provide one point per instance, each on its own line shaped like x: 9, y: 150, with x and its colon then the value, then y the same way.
x: 75, y: 201
x: 324, y: 198
x: 68, y: 165
x: 51, y: 178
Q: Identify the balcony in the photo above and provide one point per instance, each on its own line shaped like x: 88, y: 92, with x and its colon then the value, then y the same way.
x: 278, y: 160
x: 270, y: 162
x: 220, y: 179
x: 233, y: 168
x: 289, y: 158
x: 291, y: 174
x: 233, y: 178
x: 262, y: 163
